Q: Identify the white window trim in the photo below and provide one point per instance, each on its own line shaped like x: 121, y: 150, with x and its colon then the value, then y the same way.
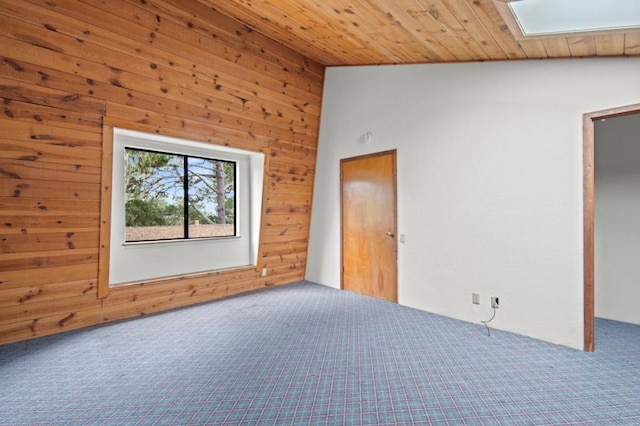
x: 135, y: 262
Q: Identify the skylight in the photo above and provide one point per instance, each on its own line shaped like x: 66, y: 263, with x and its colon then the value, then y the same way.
x: 544, y: 17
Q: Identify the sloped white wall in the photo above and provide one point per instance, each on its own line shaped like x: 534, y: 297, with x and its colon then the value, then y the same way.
x: 489, y: 181
x: 617, y: 218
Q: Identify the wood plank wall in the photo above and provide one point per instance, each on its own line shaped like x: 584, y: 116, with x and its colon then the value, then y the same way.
x: 70, y: 67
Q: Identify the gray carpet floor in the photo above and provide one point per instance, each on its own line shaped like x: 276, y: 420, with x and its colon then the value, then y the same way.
x: 308, y: 354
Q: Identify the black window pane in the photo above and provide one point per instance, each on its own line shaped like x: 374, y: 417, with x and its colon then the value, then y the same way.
x: 154, y: 195
x: 211, y: 198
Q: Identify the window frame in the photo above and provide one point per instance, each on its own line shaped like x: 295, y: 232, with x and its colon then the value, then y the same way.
x: 186, y: 225
x: 257, y: 164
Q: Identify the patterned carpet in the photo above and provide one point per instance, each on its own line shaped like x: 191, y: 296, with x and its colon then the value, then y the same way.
x: 308, y: 354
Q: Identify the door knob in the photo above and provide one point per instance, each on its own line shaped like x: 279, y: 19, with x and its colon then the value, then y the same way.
x: 390, y: 234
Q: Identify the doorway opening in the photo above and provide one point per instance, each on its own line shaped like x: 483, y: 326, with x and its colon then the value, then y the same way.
x: 589, y: 120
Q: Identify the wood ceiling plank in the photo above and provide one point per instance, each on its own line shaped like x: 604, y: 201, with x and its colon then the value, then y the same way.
x: 581, y: 46
x: 632, y: 43
x: 556, y: 47
x: 379, y: 33
x: 449, y: 30
x: 430, y: 47
x: 489, y: 15
x: 322, y: 23
x: 246, y: 13
x: 334, y: 32
x: 424, y: 47
x: 609, y: 44
x: 206, y: 20
x: 469, y: 20
x: 378, y: 30
x: 534, y: 48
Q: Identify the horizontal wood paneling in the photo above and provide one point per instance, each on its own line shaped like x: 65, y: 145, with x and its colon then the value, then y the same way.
x: 18, y: 169
x: 17, y: 278
x: 47, y: 259
x: 36, y: 188
x: 30, y: 88
x: 19, y: 296
x: 62, y: 223
x: 32, y: 113
x: 29, y: 151
x: 67, y: 69
x: 30, y: 328
x: 47, y: 241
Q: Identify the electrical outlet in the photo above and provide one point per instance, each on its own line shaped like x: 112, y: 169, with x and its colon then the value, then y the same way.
x: 495, y: 302
x: 475, y: 298
x: 264, y: 272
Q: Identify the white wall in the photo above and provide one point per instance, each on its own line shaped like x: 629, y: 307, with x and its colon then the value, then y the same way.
x: 617, y: 218
x: 489, y: 181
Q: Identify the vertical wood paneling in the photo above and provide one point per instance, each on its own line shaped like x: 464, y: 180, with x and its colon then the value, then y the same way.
x: 69, y: 67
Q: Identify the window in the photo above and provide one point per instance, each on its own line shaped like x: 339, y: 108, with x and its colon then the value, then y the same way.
x: 171, y: 196
x: 170, y: 213
x: 553, y: 17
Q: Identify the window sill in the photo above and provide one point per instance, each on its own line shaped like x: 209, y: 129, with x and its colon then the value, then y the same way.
x: 180, y: 241
x: 195, y: 275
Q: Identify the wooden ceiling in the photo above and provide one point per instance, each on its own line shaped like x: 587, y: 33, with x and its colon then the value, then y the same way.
x: 359, y: 32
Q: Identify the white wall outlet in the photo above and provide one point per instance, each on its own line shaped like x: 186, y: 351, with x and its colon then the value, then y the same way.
x: 495, y: 302
x: 264, y: 272
x: 475, y: 298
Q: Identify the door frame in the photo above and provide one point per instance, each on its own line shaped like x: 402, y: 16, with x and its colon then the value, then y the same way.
x: 394, y: 156
x: 588, y: 156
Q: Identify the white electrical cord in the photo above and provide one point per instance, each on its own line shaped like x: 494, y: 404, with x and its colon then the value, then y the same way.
x: 488, y: 321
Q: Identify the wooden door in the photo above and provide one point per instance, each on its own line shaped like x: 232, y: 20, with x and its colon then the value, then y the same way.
x: 369, y: 248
